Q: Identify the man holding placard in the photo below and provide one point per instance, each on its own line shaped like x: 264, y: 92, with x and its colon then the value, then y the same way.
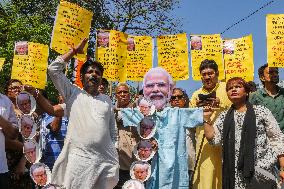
x: 89, y: 158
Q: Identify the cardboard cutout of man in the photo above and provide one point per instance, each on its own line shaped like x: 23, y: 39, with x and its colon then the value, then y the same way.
x: 169, y: 167
x: 24, y: 102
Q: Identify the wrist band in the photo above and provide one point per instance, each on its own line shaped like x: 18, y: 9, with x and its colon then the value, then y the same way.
x: 207, y: 121
x: 37, y: 93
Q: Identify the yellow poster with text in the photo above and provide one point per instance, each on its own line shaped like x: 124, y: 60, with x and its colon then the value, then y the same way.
x: 206, y: 47
x: 173, y: 55
x: 72, y: 24
x: 275, y: 40
x: 2, y: 61
x: 111, y: 51
x: 31, y: 68
x: 139, y: 57
x: 238, y: 58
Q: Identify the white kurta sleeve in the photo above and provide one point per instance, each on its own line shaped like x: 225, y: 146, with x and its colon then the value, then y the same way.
x: 60, y: 81
x: 113, y: 129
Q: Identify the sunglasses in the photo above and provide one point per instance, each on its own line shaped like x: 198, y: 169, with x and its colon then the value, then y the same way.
x: 177, y: 97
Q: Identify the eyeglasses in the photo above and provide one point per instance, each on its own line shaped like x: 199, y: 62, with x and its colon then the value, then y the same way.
x: 177, y: 97
x: 14, y: 88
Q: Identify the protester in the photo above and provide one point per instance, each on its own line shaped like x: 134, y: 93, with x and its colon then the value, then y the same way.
x: 271, y: 95
x: 252, y: 86
x: 208, y: 174
x: 16, y: 160
x: 88, y: 158
x: 170, y: 169
x: 53, y: 132
x: 127, y: 136
x: 251, y: 139
x: 8, y: 129
x: 180, y: 99
x: 103, y: 88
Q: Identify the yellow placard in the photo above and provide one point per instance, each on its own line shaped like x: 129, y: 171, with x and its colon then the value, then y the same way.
x: 31, y: 68
x: 139, y: 57
x: 206, y: 47
x: 275, y: 40
x: 72, y: 24
x: 238, y: 58
x: 173, y: 55
x: 2, y: 61
x: 111, y: 52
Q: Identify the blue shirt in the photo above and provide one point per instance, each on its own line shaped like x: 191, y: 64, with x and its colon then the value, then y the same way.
x: 170, y: 166
x: 52, y: 142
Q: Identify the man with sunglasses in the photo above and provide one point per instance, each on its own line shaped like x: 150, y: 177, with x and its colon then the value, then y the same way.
x: 208, y: 174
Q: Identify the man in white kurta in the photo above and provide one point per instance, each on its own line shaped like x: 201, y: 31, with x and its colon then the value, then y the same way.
x: 89, y: 158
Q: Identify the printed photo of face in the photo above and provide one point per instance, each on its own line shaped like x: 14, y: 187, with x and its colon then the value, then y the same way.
x: 130, y: 44
x: 24, y: 102
x: 147, y: 128
x: 140, y: 170
x: 133, y: 184
x: 21, y: 48
x: 196, y: 42
x: 103, y: 39
x: 145, y: 106
x: 31, y: 150
x: 228, y: 47
x: 144, y: 150
x: 27, y: 126
x: 40, y: 174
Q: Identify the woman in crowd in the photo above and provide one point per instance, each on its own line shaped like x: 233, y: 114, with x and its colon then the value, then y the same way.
x: 180, y: 99
x: 14, y: 148
x: 251, y: 139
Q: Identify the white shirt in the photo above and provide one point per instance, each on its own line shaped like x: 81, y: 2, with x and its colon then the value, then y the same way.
x: 88, y: 157
x: 7, y: 112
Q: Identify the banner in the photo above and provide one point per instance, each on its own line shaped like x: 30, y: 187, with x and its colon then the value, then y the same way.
x: 111, y: 51
x: 72, y: 24
x: 275, y: 40
x: 76, y: 72
x: 173, y: 55
x: 30, y: 64
x: 238, y: 58
x: 139, y: 57
x: 206, y: 47
x: 2, y: 61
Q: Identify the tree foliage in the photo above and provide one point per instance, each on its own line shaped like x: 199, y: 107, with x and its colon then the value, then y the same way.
x: 32, y: 20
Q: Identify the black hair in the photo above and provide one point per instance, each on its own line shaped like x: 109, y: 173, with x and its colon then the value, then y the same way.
x: 104, y: 82
x: 141, y: 92
x: 10, y: 82
x: 208, y: 64
x: 261, y: 72
x: 89, y: 63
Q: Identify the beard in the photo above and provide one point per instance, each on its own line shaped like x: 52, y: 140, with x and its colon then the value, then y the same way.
x: 159, y: 100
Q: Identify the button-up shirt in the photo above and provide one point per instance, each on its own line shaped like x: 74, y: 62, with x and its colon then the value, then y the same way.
x: 274, y: 103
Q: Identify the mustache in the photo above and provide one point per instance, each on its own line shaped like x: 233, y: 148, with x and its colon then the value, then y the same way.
x: 156, y: 94
x: 94, y: 79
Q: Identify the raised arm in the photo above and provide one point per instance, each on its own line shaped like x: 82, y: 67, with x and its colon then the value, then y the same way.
x: 55, y: 71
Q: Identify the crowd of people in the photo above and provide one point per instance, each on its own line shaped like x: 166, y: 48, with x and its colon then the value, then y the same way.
x: 227, y: 135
